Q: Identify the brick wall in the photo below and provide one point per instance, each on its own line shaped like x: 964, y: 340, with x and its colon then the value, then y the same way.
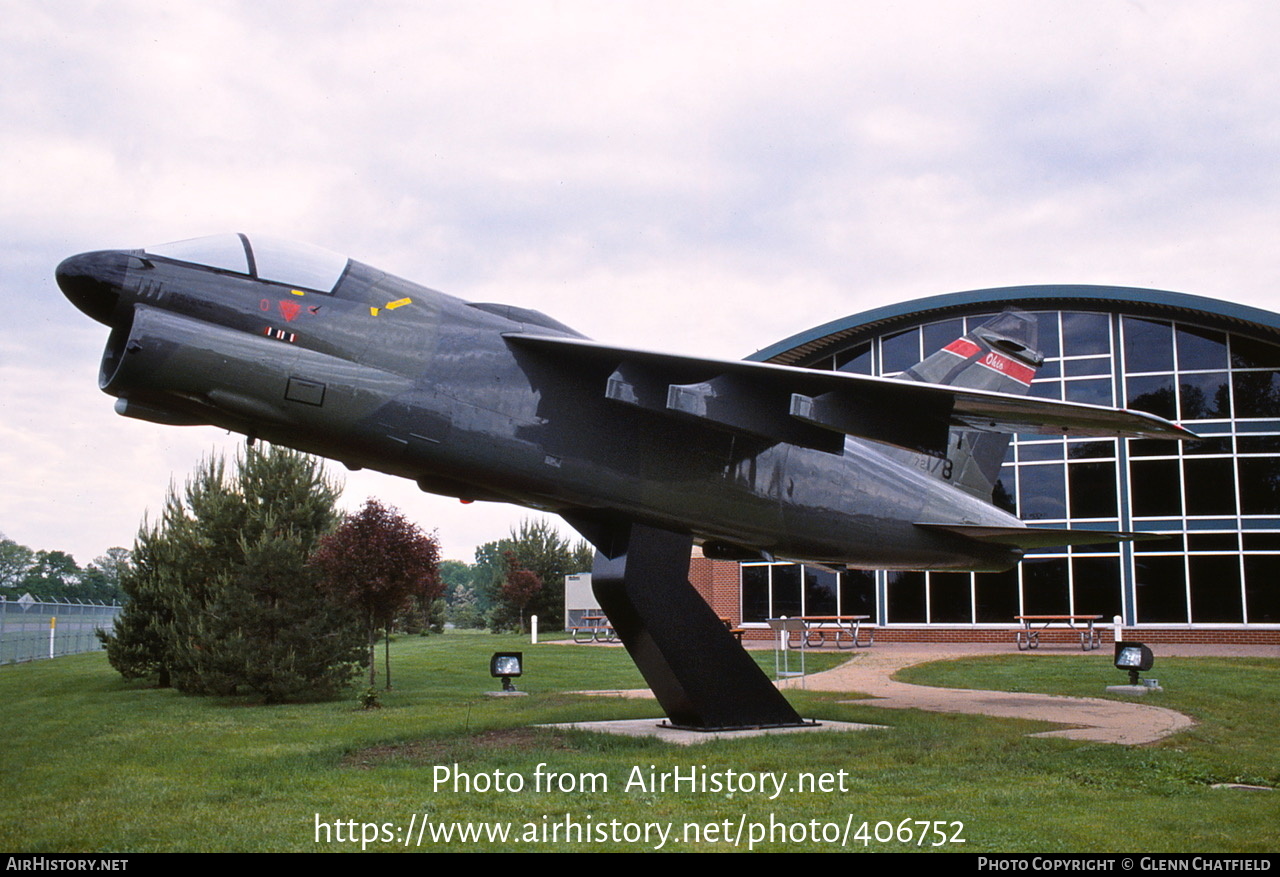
x: 717, y: 582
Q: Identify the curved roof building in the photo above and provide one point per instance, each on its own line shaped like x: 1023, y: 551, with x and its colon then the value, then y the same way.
x: 1210, y: 365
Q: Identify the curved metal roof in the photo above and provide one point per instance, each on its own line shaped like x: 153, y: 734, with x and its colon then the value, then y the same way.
x: 1135, y: 301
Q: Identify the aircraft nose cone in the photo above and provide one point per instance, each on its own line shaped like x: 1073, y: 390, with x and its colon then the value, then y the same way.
x: 92, y: 281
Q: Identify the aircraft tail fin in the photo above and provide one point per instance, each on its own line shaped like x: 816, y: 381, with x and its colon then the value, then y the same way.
x: 1001, y: 355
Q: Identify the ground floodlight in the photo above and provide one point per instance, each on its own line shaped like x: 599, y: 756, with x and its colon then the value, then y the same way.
x: 1134, y: 657
x: 506, y: 666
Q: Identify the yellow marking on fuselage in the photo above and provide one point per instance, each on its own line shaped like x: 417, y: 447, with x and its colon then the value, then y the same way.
x: 392, y: 305
x: 373, y: 311
x: 297, y: 292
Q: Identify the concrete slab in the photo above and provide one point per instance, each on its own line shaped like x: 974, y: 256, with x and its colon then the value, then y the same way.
x: 654, y: 728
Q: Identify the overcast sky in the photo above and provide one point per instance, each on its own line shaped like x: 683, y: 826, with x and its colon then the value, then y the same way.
x: 692, y: 176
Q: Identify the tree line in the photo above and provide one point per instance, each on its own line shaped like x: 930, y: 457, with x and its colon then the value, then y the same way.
x: 50, y: 575
x: 514, y: 578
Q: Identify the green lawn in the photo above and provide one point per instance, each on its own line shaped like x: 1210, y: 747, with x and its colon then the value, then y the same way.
x: 94, y: 764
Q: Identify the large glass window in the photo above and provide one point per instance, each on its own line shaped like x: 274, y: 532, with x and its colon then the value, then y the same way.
x: 1093, y: 490
x: 1045, y: 586
x: 821, y: 592
x: 1085, y: 334
x: 1200, y: 348
x: 906, y: 594
x: 855, y: 359
x: 1095, y: 585
x: 1148, y: 345
x: 996, y: 596
x: 1161, y: 589
x: 1155, y: 488
x: 1154, y: 394
x: 1042, y: 492
x: 755, y: 593
x: 1215, y: 588
x: 772, y: 590
x: 939, y: 335
x: 900, y: 352
x: 1257, y: 393
x: 950, y: 598
x: 786, y: 591
x: 1204, y: 396
x: 858, y: 593
x: 1259, y: 485
x: 1261, y: 575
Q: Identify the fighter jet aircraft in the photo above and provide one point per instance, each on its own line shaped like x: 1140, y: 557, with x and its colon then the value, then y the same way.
x: 644, y: 453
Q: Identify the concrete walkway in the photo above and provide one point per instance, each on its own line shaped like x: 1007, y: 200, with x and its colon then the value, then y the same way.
x: 1104, y: 721
x: 1087, y: 718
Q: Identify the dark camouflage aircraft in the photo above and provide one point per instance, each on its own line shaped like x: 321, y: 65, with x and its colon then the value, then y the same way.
x: 644, y: 453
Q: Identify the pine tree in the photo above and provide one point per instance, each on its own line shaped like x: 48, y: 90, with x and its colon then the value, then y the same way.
x: 268, y: 624
x: 137, y: 646
x: 221, y: 596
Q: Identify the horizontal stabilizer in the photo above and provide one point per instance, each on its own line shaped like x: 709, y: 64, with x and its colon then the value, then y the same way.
x: 1031, y: 538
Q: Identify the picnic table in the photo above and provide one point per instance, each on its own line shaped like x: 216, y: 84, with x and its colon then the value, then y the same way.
x: 1028, y: 636
x: 841, y: 628
x: 596, y: 628
x: 736, y: 631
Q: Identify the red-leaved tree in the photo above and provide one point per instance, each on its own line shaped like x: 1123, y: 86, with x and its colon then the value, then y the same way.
x: 380, y: 561
x: 520, y: 585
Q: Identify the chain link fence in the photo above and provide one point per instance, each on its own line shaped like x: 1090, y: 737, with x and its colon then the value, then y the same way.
x: 31, y: 629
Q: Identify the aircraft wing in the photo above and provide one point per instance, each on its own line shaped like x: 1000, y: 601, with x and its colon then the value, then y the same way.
x: 817, y: 409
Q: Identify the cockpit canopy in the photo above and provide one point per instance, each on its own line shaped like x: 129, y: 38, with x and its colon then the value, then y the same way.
x: 266, y: 258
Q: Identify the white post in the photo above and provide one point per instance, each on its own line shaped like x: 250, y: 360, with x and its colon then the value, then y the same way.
x: 1117, y: 628
x: 53, y: 628
x: 533, y: 629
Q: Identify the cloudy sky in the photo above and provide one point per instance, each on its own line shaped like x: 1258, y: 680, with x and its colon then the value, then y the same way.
x: 692, y: 176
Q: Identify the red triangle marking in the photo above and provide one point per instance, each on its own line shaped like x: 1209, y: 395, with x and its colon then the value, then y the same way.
x: 289, y: 310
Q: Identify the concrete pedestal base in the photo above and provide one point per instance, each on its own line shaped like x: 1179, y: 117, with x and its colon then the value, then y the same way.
x: 1136, y: 690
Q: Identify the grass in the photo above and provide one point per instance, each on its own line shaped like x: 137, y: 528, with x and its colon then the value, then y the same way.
x: 93, y: 764
x: 1235, y: 702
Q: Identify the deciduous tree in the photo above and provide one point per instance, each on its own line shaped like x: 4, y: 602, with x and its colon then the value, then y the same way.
x: 379, y: 561
x: 52, y: 574
x: 15, y: 560
x: 539, y: 548
x: 520, y: 585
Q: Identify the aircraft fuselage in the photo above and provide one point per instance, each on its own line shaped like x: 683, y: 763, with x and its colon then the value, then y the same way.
x: 382, y: 373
